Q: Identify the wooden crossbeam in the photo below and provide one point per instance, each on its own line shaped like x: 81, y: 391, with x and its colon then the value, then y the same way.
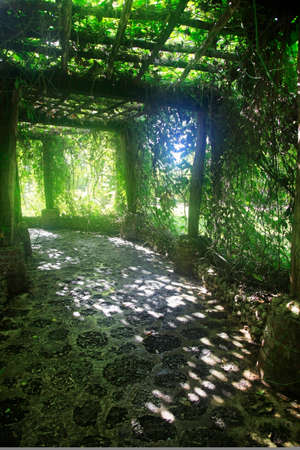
x: 123, y: 57
x: 171, y: 24
x: 120, y: 33
x: 58, y: 83
x: 45, y: 119
x: 211, y: 37
x: 141, y: 14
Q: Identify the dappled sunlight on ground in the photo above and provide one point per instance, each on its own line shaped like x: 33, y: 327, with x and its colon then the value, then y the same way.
x: 114, y: 349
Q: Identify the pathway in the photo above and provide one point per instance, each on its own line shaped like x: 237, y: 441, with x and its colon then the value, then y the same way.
x: 111, y: 348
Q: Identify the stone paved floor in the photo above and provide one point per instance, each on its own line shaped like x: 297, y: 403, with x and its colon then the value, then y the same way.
x: 111, y: 348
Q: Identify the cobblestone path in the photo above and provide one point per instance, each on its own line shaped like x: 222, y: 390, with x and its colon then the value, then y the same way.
x: 111, y: 348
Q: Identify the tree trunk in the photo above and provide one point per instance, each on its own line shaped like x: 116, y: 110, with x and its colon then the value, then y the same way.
x: 8, y: 164
x: 129, y: 155
x: 48, y: 173
x: 197, y: 176
x: 295, y: 262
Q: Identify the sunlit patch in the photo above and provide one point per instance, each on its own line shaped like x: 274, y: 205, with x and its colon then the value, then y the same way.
x: 193, y: 375
x: 217, y: 399
x: 237, y: 344
x: 219, y: 308
x: 176, y: 283
x: 155, y: 314
x: 223, y: 335
x: 185, y: 386
x: 98, y: 307
x: 195, y: 349
x: 209, y: 385
x: 210, y: 359
x: 152, y: 407
x: 294, y: 307
x: 49, y: 266
x: 191, y: 364
x: 76, y: 314
x: 199, y: 315
x: 218, y: 374
x: 206, y: 341
x: 138, y: 338
x: 185, y: 319
x: 242, y: 384
x: 189, y: 298
x: 172, y: 325
x: 34, y: 233
x: 244, y: 350
x: 162, y: 396
x: 237, y: 355
x: 174, y: 301
x: 193, y: 397
x: 167, y: 415
x: 230, y: 367
x: 145, y: 272
x: 169, y: 287
x: 200, y: 392
x: 203, y: 290
x: 250, y: 375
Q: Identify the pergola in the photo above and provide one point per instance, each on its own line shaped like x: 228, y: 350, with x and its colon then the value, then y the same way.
x: 90, y: 66
x: 101, y: 65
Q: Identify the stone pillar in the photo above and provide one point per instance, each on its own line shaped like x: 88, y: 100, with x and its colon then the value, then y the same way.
x: 197, y: 176
x: 187, y: 252
x: 279, y: 357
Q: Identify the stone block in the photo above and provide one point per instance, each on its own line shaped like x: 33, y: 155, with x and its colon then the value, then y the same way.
x: 279, y: 357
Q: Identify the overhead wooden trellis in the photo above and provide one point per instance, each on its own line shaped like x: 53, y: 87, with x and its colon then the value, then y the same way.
x: 98, y: 66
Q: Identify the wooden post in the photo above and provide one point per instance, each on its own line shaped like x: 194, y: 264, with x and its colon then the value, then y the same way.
x: 130, y: 154
x: 8, y: 164
x: 197, y: 176
x: 295, y: 260
x: 48, y: 172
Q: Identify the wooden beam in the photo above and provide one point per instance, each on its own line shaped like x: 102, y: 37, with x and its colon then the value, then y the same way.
x: 172, y: 21
x: 211, y: 36
x: 120, y: 33
x: 45, y: 119
x: 123, y: 57
x: 32, y: 8
x: 57, y: 83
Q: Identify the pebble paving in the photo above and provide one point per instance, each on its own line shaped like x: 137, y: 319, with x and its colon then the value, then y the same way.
x: 111, y: 348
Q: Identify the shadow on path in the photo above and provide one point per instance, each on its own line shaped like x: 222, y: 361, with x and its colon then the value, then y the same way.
x: 111, y: 348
